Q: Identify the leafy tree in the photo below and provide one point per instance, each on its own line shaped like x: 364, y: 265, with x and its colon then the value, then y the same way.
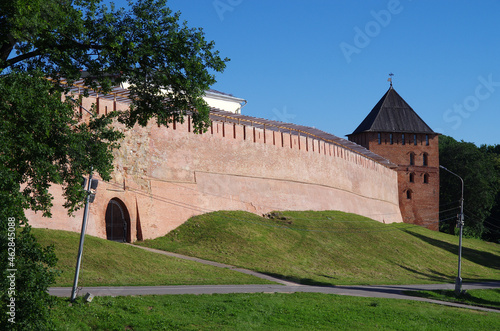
x: 482, y: 185
x: 146, y: 47
x: 492, y: 223
x: 44, y: 43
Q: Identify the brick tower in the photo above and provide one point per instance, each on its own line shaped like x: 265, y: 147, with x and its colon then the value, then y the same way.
x: 393, y: 130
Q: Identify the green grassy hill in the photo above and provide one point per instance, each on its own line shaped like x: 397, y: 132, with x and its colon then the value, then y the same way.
x: 109, y: 263
x: 331, y: 248
x: 310, y: 247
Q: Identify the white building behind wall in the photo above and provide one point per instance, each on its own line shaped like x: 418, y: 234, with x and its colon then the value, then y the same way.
x: 224, y: 101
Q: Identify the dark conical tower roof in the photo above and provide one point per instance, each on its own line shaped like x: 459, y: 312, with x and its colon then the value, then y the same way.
x: 393, y: 114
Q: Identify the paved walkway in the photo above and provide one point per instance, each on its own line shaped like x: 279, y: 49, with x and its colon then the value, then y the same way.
x: 379, y: 291
x: 217, y: 264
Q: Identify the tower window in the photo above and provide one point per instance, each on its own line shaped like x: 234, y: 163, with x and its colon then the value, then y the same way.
x: 412, y: 158
x: 379, y: 138
x: 427, y: 140
x: 408, y: 194
x: 426, y: 178
x: 425, y: 159
x: 415, y: 139
x: 391, y: 140
x: 412, y: 177
x: 403, y: 138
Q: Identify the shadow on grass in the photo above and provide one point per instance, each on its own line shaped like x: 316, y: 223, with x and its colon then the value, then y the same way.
x: 434, y: 276
x: 479, y: 257
x: 450, y: 296
x: 302, y: 281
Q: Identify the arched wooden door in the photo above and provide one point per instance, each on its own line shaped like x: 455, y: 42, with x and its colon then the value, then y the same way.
x: 117, y: 221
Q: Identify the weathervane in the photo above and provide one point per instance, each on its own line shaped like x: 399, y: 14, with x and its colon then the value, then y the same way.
x: 390, y: 78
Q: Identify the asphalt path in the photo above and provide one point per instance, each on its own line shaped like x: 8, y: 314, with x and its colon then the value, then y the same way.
x: 378, y: 291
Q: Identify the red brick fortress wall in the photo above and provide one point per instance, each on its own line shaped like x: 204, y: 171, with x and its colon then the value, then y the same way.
x: 163, y: 176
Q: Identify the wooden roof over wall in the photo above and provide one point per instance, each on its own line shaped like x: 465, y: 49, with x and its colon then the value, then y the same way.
x: 223, y: 116
x: 120, y: 94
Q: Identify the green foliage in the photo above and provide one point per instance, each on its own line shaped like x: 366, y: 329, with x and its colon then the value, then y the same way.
x: 492, y: 223
x: 27, y: 270
x: 168, y: 65
x: 26, y: 144
x: 480, y: 170
x: 46, y: 42
x: 43, y: 143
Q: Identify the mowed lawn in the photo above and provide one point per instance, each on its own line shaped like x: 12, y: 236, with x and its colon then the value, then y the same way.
x: 331, y: 248
x: 260, y: 311
x: 106, y: 262
x: 482, y: 298
x: 322, y: 248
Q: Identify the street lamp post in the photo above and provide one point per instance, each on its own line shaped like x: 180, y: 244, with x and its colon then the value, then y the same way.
x: 90, y: 188
x: 458, y: 282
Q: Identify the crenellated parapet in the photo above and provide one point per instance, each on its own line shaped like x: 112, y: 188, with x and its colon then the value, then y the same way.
x: 164, y: 175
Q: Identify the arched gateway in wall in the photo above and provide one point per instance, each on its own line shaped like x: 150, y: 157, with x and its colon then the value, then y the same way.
x: 169, y: 174
x: 117, y: 221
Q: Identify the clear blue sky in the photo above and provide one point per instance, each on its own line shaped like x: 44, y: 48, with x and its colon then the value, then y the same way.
x: 325, y: 63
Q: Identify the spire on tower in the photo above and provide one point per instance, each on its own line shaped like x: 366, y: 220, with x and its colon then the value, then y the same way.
x: 390, y: 78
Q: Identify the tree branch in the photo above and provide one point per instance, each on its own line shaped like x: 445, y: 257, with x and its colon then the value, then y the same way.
x: 75, y: 44
x: 7, y: 48
x: 20, y: 58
